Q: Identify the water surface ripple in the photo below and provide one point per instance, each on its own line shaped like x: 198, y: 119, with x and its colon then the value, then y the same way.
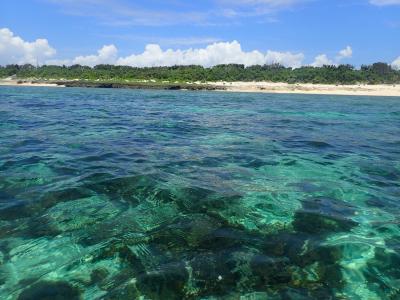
x: 121, y: 194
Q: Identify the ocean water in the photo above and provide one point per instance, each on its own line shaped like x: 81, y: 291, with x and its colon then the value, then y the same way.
x: 122, y: 194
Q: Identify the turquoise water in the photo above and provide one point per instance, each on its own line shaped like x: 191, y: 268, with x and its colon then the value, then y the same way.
x: 122, y: 194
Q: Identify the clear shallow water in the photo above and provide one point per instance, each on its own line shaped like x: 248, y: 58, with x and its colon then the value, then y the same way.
x: 121, y: 194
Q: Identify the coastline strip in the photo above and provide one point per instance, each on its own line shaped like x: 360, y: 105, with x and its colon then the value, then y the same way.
x: 243, y: 87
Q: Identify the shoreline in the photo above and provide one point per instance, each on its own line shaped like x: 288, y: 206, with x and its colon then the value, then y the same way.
x: 382, y: 90
x: 8, y: 82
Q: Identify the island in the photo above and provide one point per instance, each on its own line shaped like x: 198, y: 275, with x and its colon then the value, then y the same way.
x: 378, y: 79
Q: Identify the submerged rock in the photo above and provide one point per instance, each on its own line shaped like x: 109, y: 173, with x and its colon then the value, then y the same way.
x: 385, y: 262
x: 324, y: 215
x: 54, y: 197
x: 166, y: 283
x: 37, y: 258
x: 329, y: 207
x: 98, y: 275
x: 307, y: 187
x: 213, y: 274
x: 185, y: 232
x: 380, y: 173
x: 133, y: 190
x: 77, y: 214
x: 70, y: 216
x: 131, y: 224
x: 193, y: 199
x: 262, y: 213
x: 49, y: 290
x: 270, y: 270
x: 125, y: 291
x: 15, y: 210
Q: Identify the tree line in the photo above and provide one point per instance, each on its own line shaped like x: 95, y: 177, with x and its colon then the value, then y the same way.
x: 376, y: 73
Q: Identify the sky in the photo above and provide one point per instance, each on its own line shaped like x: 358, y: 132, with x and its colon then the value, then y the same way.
x: 207, y: 32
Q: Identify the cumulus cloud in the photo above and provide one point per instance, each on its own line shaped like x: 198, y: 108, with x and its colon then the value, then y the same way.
x: 384, y: 2
x: 322, y: 59
x: 396, y: 64
x: 287, y: 59
x: 14, y: 50
x: 345, y: 53
x: 211, y: 55
x: 106, y: 55
x: 214, y: 54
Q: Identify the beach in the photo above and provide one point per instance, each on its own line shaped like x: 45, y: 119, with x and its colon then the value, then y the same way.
x: 14, y: 82
x: 308, y: 88
x: 239, y: 86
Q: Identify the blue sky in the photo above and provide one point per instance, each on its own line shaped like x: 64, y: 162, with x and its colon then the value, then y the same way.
x: 294, y: 31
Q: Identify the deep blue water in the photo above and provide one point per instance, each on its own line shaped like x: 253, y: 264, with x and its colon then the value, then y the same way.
x: 122, y: 194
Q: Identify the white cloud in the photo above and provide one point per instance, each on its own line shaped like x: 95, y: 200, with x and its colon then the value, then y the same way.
x: 211, y: 55
x: 106, y: 55
x: 214, y: 54
x: 322, y: 60
x: 345, y: 53
x: 287, y: 59
x: 384, y: 2
x: 396, y: 64
x: 14, y: 50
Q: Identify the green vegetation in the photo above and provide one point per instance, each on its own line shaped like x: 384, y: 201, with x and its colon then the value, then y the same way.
x: 342, y: 74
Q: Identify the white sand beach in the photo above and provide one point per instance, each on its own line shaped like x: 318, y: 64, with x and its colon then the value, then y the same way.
x: 304, y: 88
x: 265, y: 87
x: 14, y: 82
